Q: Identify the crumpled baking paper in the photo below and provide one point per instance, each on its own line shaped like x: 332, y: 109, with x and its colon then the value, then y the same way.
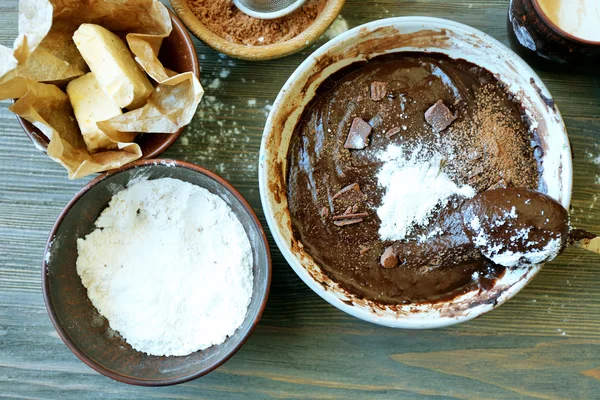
x: 44, y: 59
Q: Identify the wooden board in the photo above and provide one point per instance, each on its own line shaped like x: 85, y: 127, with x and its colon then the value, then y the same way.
x: 545, y: 343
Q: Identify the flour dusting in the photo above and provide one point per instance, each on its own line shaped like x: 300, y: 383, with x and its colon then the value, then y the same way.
x: 339, y: 26
x: 415, y: 187
x: 497, y: 252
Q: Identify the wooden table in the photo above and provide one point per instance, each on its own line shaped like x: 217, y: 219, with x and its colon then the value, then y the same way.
x: 545, y: 343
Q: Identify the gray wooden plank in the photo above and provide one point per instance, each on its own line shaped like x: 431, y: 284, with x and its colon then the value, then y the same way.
x: 541, y: 344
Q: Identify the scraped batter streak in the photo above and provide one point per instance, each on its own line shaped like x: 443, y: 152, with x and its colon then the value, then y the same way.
x: 487, y: 145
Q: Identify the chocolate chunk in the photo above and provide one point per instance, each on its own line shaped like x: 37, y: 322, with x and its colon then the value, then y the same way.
x: 392, y: 132
x: 376, y: 121
x: 348, y: 211
x: 345, y: 222
x: 389, y: 259
x: 439, y: 116
x: 378, y: 90
x: 350, y: 216
x: 351, y: 191
x: 358, y: 135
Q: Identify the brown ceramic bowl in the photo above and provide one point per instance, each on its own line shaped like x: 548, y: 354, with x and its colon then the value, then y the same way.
x: 539, y: 40
x: 78, y: 322
x: 176, y: 53
x: 267, y: 52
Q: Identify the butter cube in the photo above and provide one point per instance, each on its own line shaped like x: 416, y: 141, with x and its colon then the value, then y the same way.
x: 91, y: 105
x: 113, y: 65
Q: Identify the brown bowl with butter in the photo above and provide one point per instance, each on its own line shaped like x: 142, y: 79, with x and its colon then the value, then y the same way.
x: 178, y: 54
x: 373, y: 146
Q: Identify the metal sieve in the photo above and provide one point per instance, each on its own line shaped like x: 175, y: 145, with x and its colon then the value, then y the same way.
x: 267, y: 9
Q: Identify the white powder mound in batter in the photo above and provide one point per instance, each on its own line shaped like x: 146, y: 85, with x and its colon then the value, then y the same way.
x: 170, y: 267
x: 414, y: 188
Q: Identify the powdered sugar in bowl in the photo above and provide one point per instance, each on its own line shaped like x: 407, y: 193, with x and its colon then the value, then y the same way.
x: 156, y: 273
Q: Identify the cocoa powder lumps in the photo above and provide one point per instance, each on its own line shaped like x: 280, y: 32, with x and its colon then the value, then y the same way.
x: 224, y: 19
x: 499, y: 139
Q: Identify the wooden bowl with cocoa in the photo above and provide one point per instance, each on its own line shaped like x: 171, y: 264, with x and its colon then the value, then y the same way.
x: 220, y: 25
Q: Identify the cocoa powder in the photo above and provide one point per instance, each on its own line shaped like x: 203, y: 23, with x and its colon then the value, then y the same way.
x: 496, y: 138
x: 224, y: 19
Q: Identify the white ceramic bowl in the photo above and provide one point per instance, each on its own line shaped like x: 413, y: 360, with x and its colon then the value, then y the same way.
x: 391, y: 36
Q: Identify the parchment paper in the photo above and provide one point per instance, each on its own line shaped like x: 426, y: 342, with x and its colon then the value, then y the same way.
x: 44, y: 59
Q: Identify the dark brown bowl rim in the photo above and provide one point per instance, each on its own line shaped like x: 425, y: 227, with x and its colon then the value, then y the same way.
x: 42, y: 141
x: 115, y: 375
x: 558, y: 29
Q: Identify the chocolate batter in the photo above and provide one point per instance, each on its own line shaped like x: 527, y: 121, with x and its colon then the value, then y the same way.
x: 484, y: 141
x: 516, y: 220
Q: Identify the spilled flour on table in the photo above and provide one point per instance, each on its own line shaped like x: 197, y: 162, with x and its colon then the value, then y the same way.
x: 225, y: 135
x: 339, y: 26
